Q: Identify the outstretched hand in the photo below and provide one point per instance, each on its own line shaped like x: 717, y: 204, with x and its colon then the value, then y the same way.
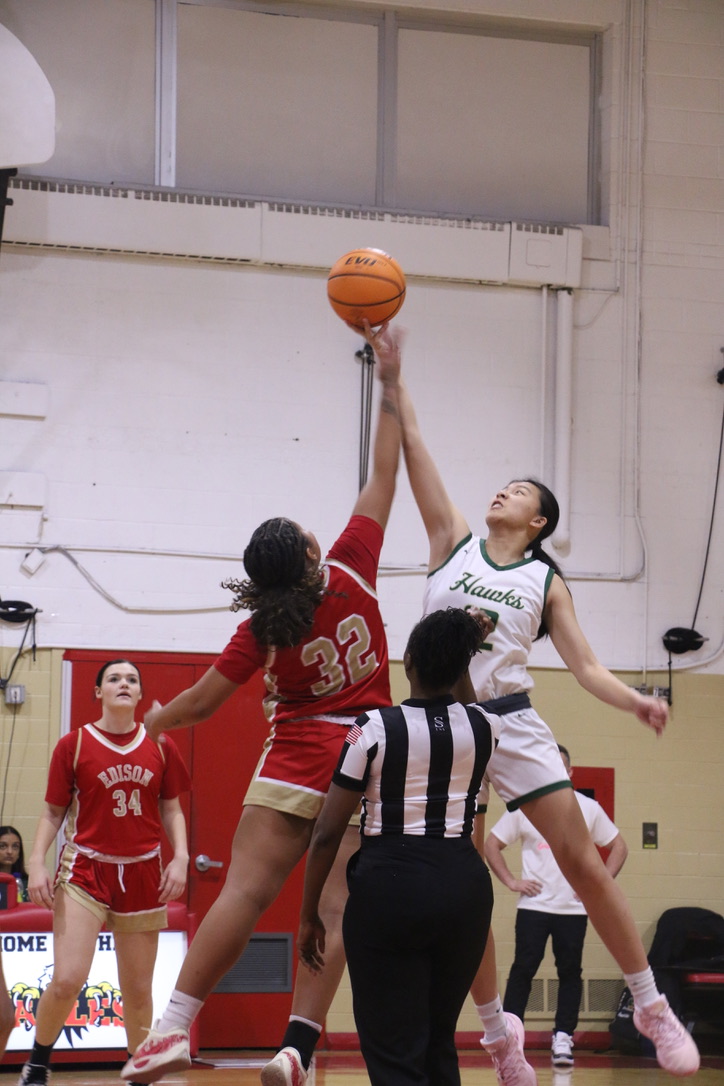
x: 387, y: 344
x: 653, y: 712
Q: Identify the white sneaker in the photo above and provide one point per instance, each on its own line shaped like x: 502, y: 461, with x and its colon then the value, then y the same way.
x: 160, y: 1054
x: 675, y: 1049
x: 286, y: 1069
x: 508, y: 1057
x: 33, y: 1073
x: 562, y: 1049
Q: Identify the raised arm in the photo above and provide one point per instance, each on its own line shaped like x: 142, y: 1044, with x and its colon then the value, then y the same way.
x: 444, y: 523
x: 375, y: 498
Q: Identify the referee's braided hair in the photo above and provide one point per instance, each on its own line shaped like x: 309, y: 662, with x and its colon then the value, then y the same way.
x: 282, y: 590
x: 442, y: 645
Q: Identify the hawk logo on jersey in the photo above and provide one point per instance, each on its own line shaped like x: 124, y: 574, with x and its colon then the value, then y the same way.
x: 473, y: 586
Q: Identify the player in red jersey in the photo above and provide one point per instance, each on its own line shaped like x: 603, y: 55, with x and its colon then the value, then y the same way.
x: 114, y: 787
x: 316, y: 631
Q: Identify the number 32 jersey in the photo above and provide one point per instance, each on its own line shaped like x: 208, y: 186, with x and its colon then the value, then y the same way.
x: 341, y: 667
x: 110, y: 786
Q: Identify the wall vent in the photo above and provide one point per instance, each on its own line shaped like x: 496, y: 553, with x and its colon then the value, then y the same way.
x: 265, y: 966
x: 600, y: 998
x: 72, y: 216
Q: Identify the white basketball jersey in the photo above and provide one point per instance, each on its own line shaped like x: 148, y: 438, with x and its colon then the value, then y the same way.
x: 514, y: 597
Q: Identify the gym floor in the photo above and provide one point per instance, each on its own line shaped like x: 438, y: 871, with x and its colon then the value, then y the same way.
x: 347, y: 1069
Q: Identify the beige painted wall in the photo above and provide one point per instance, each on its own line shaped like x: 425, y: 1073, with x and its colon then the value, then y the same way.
x: 675, y: 781
x: 28, y: 736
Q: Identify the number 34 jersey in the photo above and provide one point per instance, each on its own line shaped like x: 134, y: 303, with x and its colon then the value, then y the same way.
x: 111, y: 786
x: 340, y: 668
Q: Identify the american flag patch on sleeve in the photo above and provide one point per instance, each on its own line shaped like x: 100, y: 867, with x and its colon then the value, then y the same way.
x: 353, y: 734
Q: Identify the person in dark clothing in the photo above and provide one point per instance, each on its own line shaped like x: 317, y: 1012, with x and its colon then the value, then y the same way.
x: 420, y: 900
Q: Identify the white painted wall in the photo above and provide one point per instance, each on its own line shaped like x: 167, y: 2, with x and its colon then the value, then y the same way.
x: 188, y: 401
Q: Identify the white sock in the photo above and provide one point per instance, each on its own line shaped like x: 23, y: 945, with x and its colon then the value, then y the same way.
x: 180, y: 1012
x: 643, y: 987
x: 493, y: 1019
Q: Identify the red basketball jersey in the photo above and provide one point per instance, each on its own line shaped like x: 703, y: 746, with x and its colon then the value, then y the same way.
x: 111, y: 786
x: 341, y: 667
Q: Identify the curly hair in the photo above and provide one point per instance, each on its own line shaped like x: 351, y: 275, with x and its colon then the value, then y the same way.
x: 282, y: 590
x: 442, y: 645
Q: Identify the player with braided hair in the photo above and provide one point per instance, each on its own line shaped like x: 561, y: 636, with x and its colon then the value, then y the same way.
x: 282, y: 591
x: 317, y: 633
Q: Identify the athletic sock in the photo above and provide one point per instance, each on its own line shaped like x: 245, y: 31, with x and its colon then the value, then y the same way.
x: 302, y: 1035
x: 180, y: 1012
x: 40, y: 1055
x: 493, y: 1019
x: 643, y: 987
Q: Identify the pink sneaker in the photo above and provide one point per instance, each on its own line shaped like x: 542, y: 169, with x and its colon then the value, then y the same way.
x: 286, y: 1069
x: 676, y: 1052
x: 160, y: 1054
x: 508, y: 1057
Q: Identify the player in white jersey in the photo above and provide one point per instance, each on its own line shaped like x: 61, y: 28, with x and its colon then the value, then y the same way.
x: 518, y: 584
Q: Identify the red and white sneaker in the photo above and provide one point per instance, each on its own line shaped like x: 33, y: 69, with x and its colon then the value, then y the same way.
x: 160, y: 1054
x: 508, y: 1056
x: 286, y: 1069
x: 676, y: 1052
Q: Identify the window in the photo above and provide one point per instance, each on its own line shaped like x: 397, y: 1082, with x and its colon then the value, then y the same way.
x: 320, y: 105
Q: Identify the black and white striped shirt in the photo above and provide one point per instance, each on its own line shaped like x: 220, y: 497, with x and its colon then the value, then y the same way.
x: 420, y: 765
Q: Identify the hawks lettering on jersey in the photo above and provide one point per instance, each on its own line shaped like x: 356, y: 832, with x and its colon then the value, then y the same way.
x: 513, y: 596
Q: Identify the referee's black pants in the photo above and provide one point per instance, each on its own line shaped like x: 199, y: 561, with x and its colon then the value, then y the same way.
x: 415, y: 927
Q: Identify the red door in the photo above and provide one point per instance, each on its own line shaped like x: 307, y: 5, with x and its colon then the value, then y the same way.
x: 221, y: 754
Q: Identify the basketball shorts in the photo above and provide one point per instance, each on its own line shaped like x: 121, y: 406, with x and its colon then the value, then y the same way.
x: 296, y: 766
x: 526, y: 763
x: 122, y: 896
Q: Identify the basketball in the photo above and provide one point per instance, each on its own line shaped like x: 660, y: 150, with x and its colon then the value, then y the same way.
x: 366, y: 283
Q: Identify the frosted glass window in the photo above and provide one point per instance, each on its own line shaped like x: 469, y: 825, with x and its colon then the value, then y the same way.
x: 276, y: 106
x: 493, y: 126
x: 99, y: 58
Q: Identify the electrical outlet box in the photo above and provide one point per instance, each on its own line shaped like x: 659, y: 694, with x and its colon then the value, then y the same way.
x: 32, y: 561
x: 14, y: 694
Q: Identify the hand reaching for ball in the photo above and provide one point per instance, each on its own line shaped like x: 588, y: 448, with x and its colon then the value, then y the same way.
x: 387, y: 344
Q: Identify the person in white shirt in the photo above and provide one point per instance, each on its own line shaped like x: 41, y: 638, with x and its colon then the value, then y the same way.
x: 549, y: 907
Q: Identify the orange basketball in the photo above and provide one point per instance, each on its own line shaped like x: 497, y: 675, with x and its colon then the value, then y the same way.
x: 366, y: 283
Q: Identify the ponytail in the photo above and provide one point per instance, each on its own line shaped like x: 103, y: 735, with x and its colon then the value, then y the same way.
x: 549, y: 509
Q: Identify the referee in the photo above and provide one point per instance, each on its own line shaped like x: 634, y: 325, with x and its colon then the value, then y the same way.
x: 420, y: 897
